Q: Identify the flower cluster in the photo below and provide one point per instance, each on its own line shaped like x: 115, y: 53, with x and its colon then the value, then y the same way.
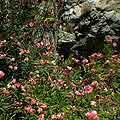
x: 92, y: 115
x: 35, y: 107
x: 88, y: 89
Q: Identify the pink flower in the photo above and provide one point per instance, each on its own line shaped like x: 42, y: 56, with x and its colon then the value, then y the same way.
x: 114, y: 44
x: 11, y: 67
x: 18, y: 85
x: 96, y: 56
x: 2, y: 74
x: 21, y: 52
x: 41, y: 43
x: 54, y: 117
x: 15, y: 68
x: 2, y: 56
x: 62, y: 57
x: 41, y: 117
x: 13, y: 81
x: 49, y: 78
x: 88, y: 89
x: 30, y: 110
x: 85, y: 61
x: 39, y: 110
x: 92, y: 115
x: 60, y: 82
x: 33, y: 101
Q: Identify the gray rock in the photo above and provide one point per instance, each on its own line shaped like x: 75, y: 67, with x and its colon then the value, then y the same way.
x: 75, y: 11
x: 65, y: 37
x: 90, y: 29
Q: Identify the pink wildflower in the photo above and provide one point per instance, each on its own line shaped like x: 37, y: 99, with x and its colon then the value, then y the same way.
x: 49, y: 78
x: 85, y: 61
x: 2, y: 56
x: 39, y: 110
x: 2, y: 74
x: 92, y: 115
x: 30, y: 110
x: 33, y: 101
x: 96, y: 56
x: 114, y: 44
x: 18, y: 85
x: 88, y: 89
x: 54, y: 117
x: 13, y: 81
x: 10, y: 66
x: 60, y: 82
x: 15, y: 68
x: 41, y: 117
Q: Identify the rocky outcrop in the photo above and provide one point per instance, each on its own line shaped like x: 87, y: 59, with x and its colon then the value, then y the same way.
x: 90, y: 28
x: 65, y: 43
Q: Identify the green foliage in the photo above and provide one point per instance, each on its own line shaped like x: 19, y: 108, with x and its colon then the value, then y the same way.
x: 8, y: 110
x: 21, y: 26
x: 116, y: 81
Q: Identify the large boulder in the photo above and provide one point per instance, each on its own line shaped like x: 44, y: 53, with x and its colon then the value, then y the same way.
x: 66, y: 41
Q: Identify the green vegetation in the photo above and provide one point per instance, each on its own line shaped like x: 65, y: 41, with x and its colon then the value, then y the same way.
x: 34, y: 83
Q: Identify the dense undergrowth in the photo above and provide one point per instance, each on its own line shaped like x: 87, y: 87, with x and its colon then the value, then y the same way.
x: 34, y: 85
